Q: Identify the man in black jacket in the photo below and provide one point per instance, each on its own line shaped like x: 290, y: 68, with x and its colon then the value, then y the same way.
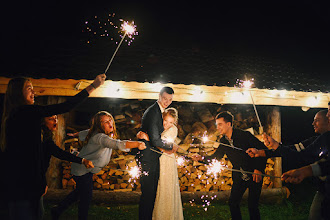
x: 320, y: 168
x: 148, y: 159
x: 239, y: 141
x: 302, y: 154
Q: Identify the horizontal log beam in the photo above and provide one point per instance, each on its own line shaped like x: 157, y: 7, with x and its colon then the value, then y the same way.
x: 183, y: 93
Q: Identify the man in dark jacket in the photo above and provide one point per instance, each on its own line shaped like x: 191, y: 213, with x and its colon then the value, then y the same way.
x: 239, y: 141
x: 302, y: 154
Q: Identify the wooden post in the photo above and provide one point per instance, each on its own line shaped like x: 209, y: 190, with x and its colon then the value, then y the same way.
x: 54, y: 173
x: 273, y: 128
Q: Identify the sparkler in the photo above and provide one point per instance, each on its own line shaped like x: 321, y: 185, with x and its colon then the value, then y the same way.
x: 180, y: 161
x: 206, y: 139
x: 135, y: 172
x: 247, y: 84
x: 215, y: 167
x: 130, y: 31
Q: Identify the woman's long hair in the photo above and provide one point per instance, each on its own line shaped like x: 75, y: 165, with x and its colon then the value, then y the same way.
x: 97, y: 128
x: 13, y: 98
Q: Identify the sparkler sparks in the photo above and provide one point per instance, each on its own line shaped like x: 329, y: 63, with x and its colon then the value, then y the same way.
x: 135, y: 172
x: 215, y: 168
x: 180, y: 161
x: 246, y: 84
x: 107, y: 26
x: 205, y: 139
x: 206, y: 201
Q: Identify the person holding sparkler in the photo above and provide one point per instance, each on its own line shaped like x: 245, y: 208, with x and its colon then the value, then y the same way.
x: 148, y: 159
x: 168, y: 203
x: 316, y: 152
x: 234, y: 143
x: 98, y: 149
x: 303, y: 154
x: 26, y: 150
x: 49, y: 126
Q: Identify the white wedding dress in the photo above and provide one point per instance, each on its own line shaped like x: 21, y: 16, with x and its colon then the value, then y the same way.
x: 168, y: 205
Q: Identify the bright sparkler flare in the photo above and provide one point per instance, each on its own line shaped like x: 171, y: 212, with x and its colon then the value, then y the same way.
x: 215, y: 168
x: 180, y: 161
x: 128, y: 28
x: 247, y: 84
x: 205, y: 139
x: 135, y: 172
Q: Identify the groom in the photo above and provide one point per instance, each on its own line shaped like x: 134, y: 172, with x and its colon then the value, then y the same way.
x: 152, y: 124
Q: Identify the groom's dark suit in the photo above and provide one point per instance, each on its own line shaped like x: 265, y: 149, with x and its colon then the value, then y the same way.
x: 152, y: 124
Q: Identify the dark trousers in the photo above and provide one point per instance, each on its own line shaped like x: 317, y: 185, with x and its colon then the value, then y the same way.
x: 149, y: 185
x: 83, y: 193
x: 237, y: 191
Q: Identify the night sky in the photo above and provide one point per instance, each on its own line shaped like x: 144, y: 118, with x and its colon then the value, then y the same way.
x: 295, y: 32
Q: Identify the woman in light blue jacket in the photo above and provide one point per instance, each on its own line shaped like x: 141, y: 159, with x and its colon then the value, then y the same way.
x: 100, y: 142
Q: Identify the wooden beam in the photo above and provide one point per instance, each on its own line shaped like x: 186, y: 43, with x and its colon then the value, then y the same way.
x: 273, y: 128
x: 183, y: 93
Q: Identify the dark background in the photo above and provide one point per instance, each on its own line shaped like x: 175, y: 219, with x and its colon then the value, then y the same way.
x: 294, y: 32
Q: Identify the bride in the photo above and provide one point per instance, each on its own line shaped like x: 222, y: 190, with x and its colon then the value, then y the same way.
x: 168, y: 205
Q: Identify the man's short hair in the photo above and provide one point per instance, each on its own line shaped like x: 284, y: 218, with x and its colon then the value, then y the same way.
x: 323, y: 113
x: 328, y: 103
x: 166, y: 89
x: 227, y: 116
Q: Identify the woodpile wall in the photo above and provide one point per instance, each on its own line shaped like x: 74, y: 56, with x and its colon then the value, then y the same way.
x: 195, y: 120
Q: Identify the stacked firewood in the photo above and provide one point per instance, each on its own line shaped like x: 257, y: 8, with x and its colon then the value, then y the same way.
x: 195, y: 121
x: 192, y: 175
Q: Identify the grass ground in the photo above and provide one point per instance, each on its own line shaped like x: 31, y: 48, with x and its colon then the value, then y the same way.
x: 294, y: 208
x: 287, y: 210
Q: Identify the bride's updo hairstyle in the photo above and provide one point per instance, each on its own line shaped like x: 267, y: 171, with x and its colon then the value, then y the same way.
x: 173, y: 113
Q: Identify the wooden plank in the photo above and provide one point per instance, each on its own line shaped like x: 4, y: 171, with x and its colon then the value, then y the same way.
x: 183, y: 93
